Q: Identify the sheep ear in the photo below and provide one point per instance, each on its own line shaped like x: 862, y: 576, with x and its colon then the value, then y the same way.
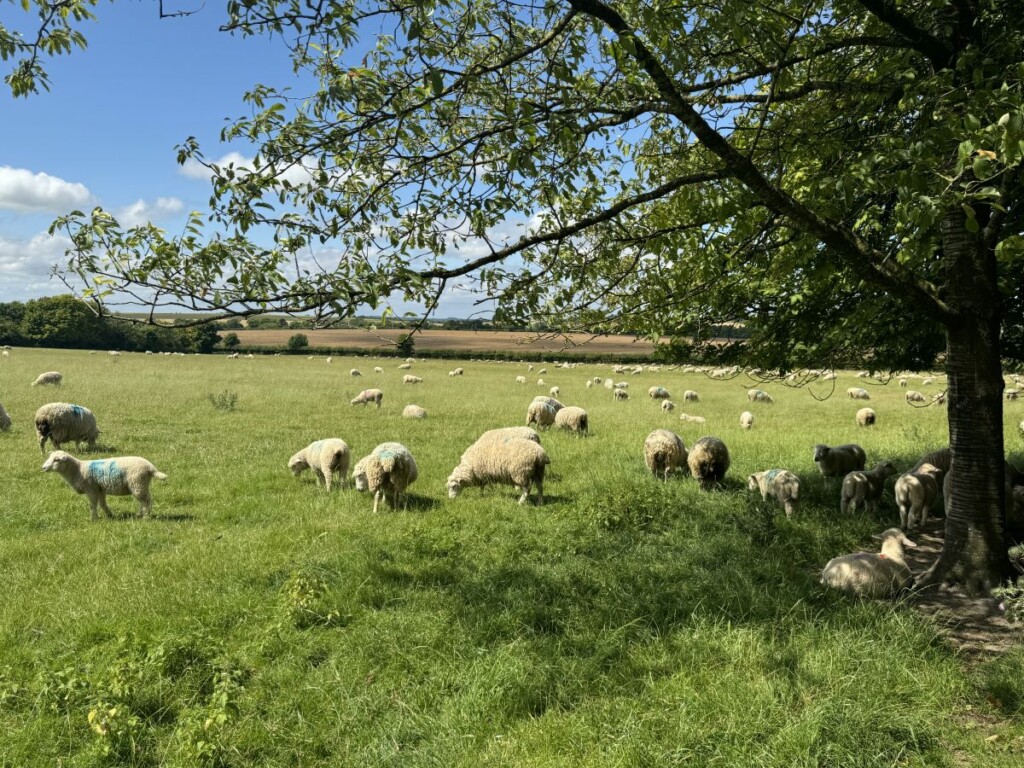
x: 908, y: 543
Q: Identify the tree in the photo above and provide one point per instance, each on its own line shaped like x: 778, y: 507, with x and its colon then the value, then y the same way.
x: 297, y: 342
x: 405, y: 345
x: 844, y: 177
x: 231, y: 340
x: 63, y: 321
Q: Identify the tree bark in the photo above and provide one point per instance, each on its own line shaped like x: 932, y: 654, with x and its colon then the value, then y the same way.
x: 974, y: 554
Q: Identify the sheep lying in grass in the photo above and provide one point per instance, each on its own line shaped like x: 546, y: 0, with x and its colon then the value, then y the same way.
x: 709, y: 461
x: 857, y: 393
x: 50, y: 377
x: 865, y: 488
x: 368, y: 396
x: 664, y: 452
x: 872, y: 574
x: 503, y: 458
x: 121, y: 476
x: 64, y: 423
x: 866, y: 417
x: 387, y: 472
x: 324, y: 457
x: 5, y: 419
x: 572, y: 419
x: 414, y: 412
x: 759, y: 396
x: 692, y: 419
x: 916, y: 492
x: 781, y: 484
x: 839, y: 460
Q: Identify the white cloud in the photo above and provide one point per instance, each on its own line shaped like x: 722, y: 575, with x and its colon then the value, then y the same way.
x: 141, y: 212
x: 25, y: 266
x: 296, y: 174
x: 24, y: 191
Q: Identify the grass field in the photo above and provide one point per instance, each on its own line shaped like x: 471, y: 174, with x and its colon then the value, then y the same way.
x: 256, y: 620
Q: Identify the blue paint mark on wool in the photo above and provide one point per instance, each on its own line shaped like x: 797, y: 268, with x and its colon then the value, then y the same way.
x: 78, y: 410
x: 771, y: 473
x: 386, y: 454
x: 104, y: 470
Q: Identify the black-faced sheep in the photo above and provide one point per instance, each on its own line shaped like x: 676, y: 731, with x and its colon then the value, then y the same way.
x: 872, y: 574
x: 709, y: 461
x: 839, y: 460
x: 120, y: 476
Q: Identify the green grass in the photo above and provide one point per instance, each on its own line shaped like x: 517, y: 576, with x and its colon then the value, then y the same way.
x: 257, y: 620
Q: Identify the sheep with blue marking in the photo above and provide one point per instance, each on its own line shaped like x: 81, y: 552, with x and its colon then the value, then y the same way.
x: 759, y: 396
x: 658, y: 393
x: 541, y: 413
x: 120, y: 476
x: 64, y: 423
x: 780, y: 484
x: 387, y: 472
x: 324, y: 457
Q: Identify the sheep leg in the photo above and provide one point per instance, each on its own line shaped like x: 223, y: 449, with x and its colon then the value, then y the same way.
x: 525, y: 492
x: 788, y: 505
x: 328, y: 474
x: 318, y: 475
x: 145, y: 503
x: 102, y: 498
x: 924, y: 516
x: 376, y: 500
x: 92, y: 509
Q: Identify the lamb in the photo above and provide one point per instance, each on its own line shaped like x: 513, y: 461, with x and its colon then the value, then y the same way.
x: 664, y: 452
x: 903, y: 381
x: 866, y: 417
x: 573, y: 419
x: 872, y: 574
x: 121, y: 476
x: 857, y: 393
x: 781, y: 484
x: 865, y: 488
x: 387, y: 472
x: 667, y: 406
x: 747, y: 420
x: 620, y: 394
x: 609, y: 384
x: 368, y: 396
x: 324, y: 457
x: 709, y: 461
x: 658, y: 393
x: 413, y: 412
x: 913, y: 396
x: 839, y: 460
x: 759, y: 396
x: 65, y: 422
x: 5, y: 419
x: 541, y: 413
x: 689, y: 396
x: 916, y: 492
x: 50, y: 377
x: 505, y: 459
x: 410, y: 379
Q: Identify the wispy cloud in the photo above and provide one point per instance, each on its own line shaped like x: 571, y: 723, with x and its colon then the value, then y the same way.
x: 27, y: 192
x: 141, y: 212
x: 296, y: 174
x: 25, y: 266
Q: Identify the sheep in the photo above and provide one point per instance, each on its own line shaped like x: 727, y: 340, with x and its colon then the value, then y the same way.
x: 5, y: 419
x: 620, y: 394
x: 864, y: 487
x: 709, y: 461
x: 941, y: 459
x: 524, y: 433
x: 520, y: 379
x: 378, y: 369
x: 504, y: 459
x: 622, y: 385
x: 903, y: 381
x: 664, y: 452
x: 939, y: 399
x: 387, y: 472
x: 915, y: 493
x: 329, y: 360
x: 658, y: 393
x: 926, y: 381
x: 555, y: 391
x: 413, y: 412
x: 759, y: 396
x: 50, y: 377
x: 866, y: 417
x: 540, y: 383
x: 120, y: 476
x: 405, y: 366
x: 455, y: 372
x: 589, y: 384
x: 410, y: 379
x: 691, y: 419
x: 324, y: 457
x: 689, y: 396
x: 115, y: 353
x: 913, y: 396
x: 597, y: 380
x: 368, y: 396
x: 747, y: 420
x: 839, y: 460
x: 65, y: 422
x: 782, y: 484
x: 541, y: 413
x: 609, y: 384
x: 1011, y: 394
x: 573, y: 419
x: 667, y: 406
x: 549, y: 400
x: 857, y: 393
x: 872, y: 574
x: 542, y: 371
x: 1020, y: 428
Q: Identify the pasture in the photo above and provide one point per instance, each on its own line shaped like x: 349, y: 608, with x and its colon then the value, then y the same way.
x: 255, y: 619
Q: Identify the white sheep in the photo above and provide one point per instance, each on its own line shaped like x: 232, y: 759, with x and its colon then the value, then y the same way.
x: 355, y: 372
x: 387, y: 472
x: 747, y: 420
x: 916, y: 492
x: 622, y: 385
x: 65, y: 422
x: 913, y: 396
x: 939, y: 399
x: 620, y: 394
x: 455, y: 372
x: 589, y: 384
x: 664, y: 453
x: 329, y: 360
x: 520, y: 379
x: 540, y: 383
x: 554, y: 391
x: 541, y: 413
x: 708, y: 461
x: 872, y: 574
x: 549, y: 400
x: 866, y: 417
x: 781, y: 484
x: 368, y: 396
x: 1020, y: 428
x: 667, y: 406
x: 504, y: 459
x: 414, y: 412
x: 759, y: 396
x: 692, y: 419
x: 903, y: 381
x: 410, y: 379
x: 5, y: 419
x: 942, y: 459
x: 378, y: 369
x: 502, y: 432
x: 927, y: 380
x: 864, y: 488
x: 609, y: 384
x: 857, y: 393
x: 120, y: 476
x: 839, y: 460
x: 324, y: 457
x: 658, y: 393
x: 405, y: 366
x: 50, y: 377
x: 573, y: 419
x: 542, y: 371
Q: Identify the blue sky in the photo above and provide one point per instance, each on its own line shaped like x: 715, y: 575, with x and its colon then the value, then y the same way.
x: 105, y: 133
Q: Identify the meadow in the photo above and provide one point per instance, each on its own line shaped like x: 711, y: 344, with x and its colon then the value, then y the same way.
x: 255, y: 619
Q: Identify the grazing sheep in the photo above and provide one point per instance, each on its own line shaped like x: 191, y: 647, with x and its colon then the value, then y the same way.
x: 857, y: 393
x: 378, y: 369
x: 549, y: 400
x: 622, y: 385
x: 872, y: 574
x: 504, y: 459
x: 759, y: 396
x: 1011, y: 394
x: 903, y: 381
x: 405, y: 366
x: 324, y: 457
x: 455, y: 372
x: 658, y: 393
x: 387, y: 472
x: 689, y: 396
x: 664, y: 452
x: 554, y: 391
x: 620, y: 394
x: 709, y: 461
x: 573, y: 419
x: 866, y: 417
x: 410, y: 379
x: 121, y: 476
x: 779, y: 483
x: 524, y: 433
x: 541, y: 413
x: 540, y: 382
x: 939, y: 399
x: 839, y: 460
x: 1020, y: 428
x: 368, y: 396
x: 597, y: 380
x: 5, y: 419
x: 865, y: 488
x: 355, y: 372
x: 667, y: 406
x: 913, y: 396
x: 520, y: 379
x: 50, y: 377
x: 927, y: 380
x: 329, y: 360
x: 413, y: 412
x: 915, y: 493
x: 747, y: 420
x: 589, y: 384
x: 63, y: 423
x: 542, y: 371
x: 692, y: 419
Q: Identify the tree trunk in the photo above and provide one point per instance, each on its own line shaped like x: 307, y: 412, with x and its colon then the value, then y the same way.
x: 974, y: 553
